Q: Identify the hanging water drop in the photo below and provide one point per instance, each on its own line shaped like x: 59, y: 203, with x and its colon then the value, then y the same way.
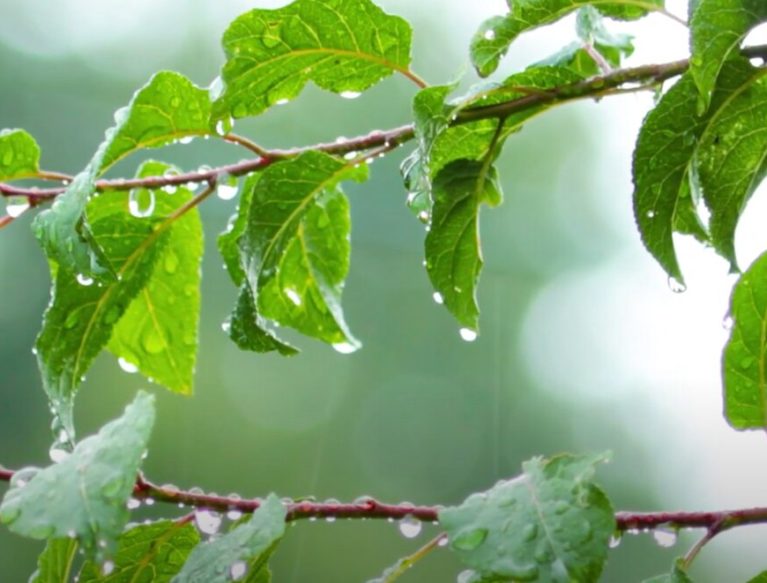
x: 15, y: 206
x: 615, y: 541
x: 238, y: 570
x: 345, y: 347
x: 728, y: 323
x: 226, y: 191
x: 127, y: 366
x: 141, y: 203
x: 282, y: 101
x: 350, y: 94
x: 84, y: 280
x: 467, y: 334
x: 676, y: 286
x: 438, y: 298
x: 350, y: 155
x: 58, y: 453
x: 133, y: 503
x: 234, y: 514
x: 107, y: 568
x: 664, y: 538
x: 186, y: 140
x: 410, y: 527
x: 293, y: 296
x: 208, y: 521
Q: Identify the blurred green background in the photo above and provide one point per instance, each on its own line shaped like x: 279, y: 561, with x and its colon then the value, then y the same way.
x: 582, y: 345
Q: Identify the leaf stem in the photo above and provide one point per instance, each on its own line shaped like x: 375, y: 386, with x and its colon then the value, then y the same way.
x: 402, y: 566
x: 711, y: 532
x: 245, y: 143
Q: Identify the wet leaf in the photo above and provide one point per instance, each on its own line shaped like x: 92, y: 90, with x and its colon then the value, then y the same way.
x: 552, y: 523
x: 344, y: 46
x: 85, y: 495
x: 19, y: 155
x: 54, y: 564
x: 250, y: 331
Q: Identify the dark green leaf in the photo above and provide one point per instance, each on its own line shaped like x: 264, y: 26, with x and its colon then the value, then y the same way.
x: 54, y: 564
x: 250, y: 331
x: 295, y: 250
x: 158, y: 332
x: 745, y: 355
x: 760, y: 578
x: 731, y: 160
x: 168, y: 108
x: 344, y: 46
x: 494, y: 36
x: 80, y: 319
x: 677, y: 575
x: 19, y: 155
x: 664, y: 160
x: 717, y: 28
x: 84, y: 495
x: 147, y: 553
x: 552, y: 523
x: 229, y: 240
x: 453, y: 254
x: 247, y: 548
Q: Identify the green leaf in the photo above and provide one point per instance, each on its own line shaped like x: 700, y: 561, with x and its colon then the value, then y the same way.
x: 82, y: 314
x: 54, y: 564
x: 19, y: 155
x: 248, y: 547
x: 146, y: 553
x: 552, y: 523
x: 678, y: 574
x: 295, y: 250
x: 760, y: 578
x: 731, y: 160
x: 229, y: 240
x: 85, y: 495
x: 496, y: 34
x: 168, y: 108
x: 745, y: 355
x: 717, y: 28
x: 344, y: 46
x: 158, y: 332
x: 250, y: 331
x: 664, y: 163
x: 452, y: 247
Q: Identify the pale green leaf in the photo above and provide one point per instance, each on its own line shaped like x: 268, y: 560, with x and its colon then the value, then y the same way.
x: 158, y: 332
x: 146, y: 553
x: 82, y: 314
x: 745, y: 355
x: 85, y: 495
x: 496, y: 34
x: 344, y: 46
x: 717, y: 28
x: 452, y: 247
x: 731, y: 160
x: 550, y: 524
x: 248, y: 546
x: 54, y: 564
x: 295, y: 250
x: 665, y: 158
x: 19, y: 155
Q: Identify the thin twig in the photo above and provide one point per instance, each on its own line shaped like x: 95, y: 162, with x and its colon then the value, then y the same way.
x: 711, y: 532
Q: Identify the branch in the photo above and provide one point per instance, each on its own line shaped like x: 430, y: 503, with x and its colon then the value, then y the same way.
x: 592, y: 88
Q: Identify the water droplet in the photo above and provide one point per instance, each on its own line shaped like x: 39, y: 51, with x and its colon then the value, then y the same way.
x: 84, y: 280
x: 561, y: 507
x: 128, y: 367
x: 238, y: 570
x: 282, y: 101
x: 15, y: 206
x: 141, y: 203
x: 615, y: 541
x: 345, y: 347
x: 442, y: 542
x: 226, y: 326
x: 72, y: 319
x: 226, y: 191
x: 489, y: 35
x: 153, y: 343
x: 350, y: 155
x: 8, y: 157
x: 438, y: 298
x: 175, y: 101
x: 57, y: 453
x: 350, y: 94
x: 216, y: 88
x: 468, y: 541
x: 728, y: 323
x: 171, y: 262
x: 107, y: 568
x: 529, y: 532
x: 208, y: 521
x: 133, y: 503
x: 650, y: 214
x: 423, y: 216
x: 294, y: 297
x: 664, y: 537
x: 410, y: 527
x: 234, y: 514
x: 468, y: 334
x: 745, y: 363
x: 676, y: 286
x: 170, y: 189
x: 186, y: 140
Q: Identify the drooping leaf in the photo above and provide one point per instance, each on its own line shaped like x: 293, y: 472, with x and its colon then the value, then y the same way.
x: 82, y: 314
x: 146, y: 553
x: 494, y: 36
x: 247, y: 548
x: 158, y: 332
x: 54, y: 564
x: 452, y: 247
x: 717, y: 28
x: 250, y: 331
x: 19, y: 155
x: 344, y: 46
x: 229, y: 240
x: 85, y: 495
x: 745, y: 355
x: 731, y: 160
x: 168, y: 108
x: 295, y: 250
x: 678, y: 574
x: 552, y: 523
x: 664, y: 163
